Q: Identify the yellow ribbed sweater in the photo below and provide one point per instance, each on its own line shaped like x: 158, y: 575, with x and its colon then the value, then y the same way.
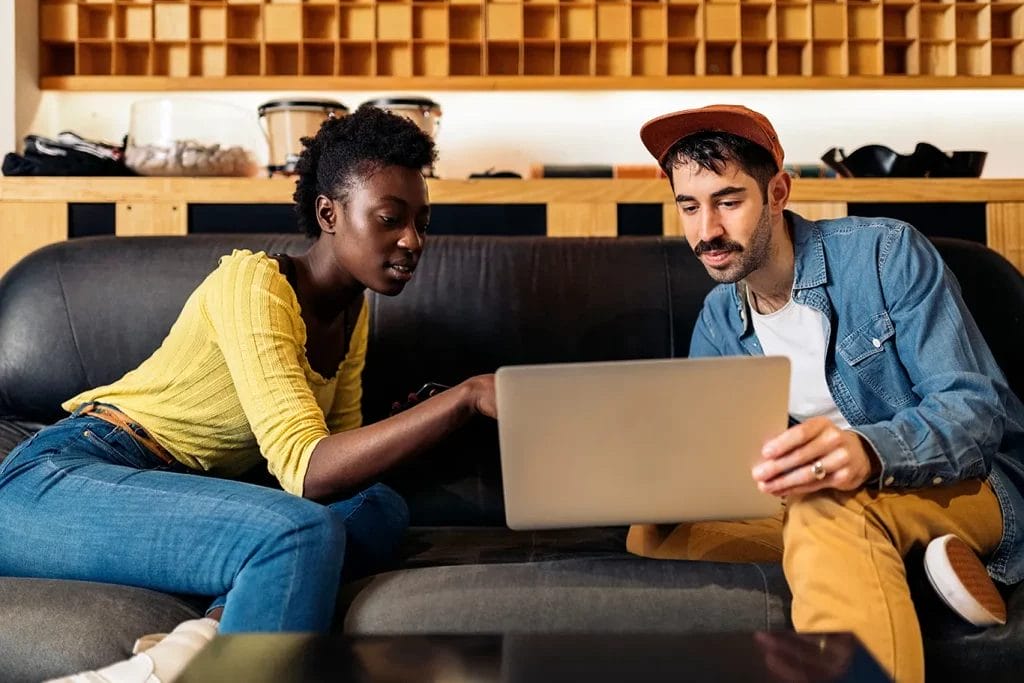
x: 231, y: 382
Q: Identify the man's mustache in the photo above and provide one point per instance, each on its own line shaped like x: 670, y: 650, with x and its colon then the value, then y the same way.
x: 717, y: 244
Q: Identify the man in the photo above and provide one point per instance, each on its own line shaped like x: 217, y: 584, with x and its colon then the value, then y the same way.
x: 906, y: 431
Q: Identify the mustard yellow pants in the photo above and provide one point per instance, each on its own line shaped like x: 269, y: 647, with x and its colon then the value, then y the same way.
x: 842, y: 554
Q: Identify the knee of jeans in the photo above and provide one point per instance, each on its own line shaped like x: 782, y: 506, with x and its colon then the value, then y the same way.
x: 308, y: 525
x: 387, y: 505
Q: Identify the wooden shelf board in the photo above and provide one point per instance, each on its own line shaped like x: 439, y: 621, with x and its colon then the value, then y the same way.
x: 300, y: 83
x: 497, y: 191
x: 597, y: 44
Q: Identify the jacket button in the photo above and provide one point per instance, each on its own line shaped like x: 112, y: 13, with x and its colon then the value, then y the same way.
x: 876, y: 343
x: 889, y: 480
x: 937, y: 480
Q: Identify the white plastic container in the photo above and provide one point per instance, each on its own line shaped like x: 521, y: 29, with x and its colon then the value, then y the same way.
x: 193, y: 137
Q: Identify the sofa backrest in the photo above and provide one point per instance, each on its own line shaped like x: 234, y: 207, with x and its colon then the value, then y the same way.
x: 81, y: 313
x: 993, y: 290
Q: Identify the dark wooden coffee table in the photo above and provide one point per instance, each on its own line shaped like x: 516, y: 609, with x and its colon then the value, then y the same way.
x: 519, y: 658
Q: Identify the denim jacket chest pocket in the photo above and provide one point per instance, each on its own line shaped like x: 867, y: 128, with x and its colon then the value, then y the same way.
x: 869, y: 351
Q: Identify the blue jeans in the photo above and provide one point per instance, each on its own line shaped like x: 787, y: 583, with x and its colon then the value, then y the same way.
x: 82, y: 500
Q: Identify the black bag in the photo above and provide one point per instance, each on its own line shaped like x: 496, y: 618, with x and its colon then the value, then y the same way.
x: 67, y: 155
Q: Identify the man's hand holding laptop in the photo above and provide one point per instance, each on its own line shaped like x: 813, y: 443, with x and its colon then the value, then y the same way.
x: 814, y: 455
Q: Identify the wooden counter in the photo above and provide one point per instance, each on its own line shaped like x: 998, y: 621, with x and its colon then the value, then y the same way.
x: 34, y: 211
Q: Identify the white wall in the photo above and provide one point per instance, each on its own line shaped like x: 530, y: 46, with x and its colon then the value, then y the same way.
x: 19, y: 92
x: 26, y: 72
x: 8, y: 124
x: 481, y: 130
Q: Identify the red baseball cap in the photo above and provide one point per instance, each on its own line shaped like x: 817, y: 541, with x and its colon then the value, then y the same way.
x: 658, y: 135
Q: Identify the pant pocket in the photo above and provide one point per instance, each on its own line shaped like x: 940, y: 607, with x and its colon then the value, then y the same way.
x: 116, y: 447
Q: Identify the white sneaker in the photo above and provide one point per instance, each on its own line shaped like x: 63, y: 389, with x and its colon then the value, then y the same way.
x: 162, y: 661
x: 960, y: 579
x: 138, y: 669
x: 147, y: 641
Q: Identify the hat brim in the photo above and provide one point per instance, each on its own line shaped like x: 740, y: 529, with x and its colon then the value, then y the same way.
x: 658, y: 135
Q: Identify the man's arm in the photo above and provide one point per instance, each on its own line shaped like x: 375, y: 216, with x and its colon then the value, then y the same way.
x: 951, y: 435
x: 956, y: 429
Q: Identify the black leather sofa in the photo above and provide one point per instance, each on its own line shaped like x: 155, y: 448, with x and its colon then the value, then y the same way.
x: 82, y: 312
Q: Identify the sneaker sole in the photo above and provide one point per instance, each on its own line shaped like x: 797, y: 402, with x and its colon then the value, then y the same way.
x: 960, y: 579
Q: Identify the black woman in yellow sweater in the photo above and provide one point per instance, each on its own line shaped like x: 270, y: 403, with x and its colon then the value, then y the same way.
x: 263, y: 363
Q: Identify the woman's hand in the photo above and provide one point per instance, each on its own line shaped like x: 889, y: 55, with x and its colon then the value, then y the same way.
x: 814, y: 455
x: 480, y: 390
x: 346, y: 461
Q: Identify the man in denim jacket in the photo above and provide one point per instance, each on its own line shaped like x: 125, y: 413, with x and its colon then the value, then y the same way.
x: 906, y: 432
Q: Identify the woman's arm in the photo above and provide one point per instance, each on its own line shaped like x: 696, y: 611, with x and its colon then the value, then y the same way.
x: 345, y: 461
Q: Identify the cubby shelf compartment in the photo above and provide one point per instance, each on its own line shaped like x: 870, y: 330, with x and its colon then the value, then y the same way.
x: 199, y: 44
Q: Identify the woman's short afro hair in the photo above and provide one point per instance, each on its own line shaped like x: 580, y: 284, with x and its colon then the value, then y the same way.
x: 350, y: 147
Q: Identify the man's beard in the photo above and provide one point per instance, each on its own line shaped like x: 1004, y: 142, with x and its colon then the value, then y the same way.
x: 748, y: 259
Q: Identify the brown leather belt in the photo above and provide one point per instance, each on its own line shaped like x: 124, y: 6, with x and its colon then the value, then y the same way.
x: 119, y: 419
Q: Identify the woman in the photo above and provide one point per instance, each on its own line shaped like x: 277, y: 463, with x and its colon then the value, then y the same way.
x: 264, y: 362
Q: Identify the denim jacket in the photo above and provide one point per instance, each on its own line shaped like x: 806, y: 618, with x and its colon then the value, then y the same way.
x: 906, y: 363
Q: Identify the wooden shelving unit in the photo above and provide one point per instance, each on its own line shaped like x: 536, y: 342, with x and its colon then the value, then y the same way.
x: 34, y: 211
x: 156, y: 44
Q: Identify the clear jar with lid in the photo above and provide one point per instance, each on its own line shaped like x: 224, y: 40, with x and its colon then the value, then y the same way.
x: 194, y: 137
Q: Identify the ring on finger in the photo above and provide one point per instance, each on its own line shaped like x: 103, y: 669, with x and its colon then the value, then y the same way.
x: 818, y: 470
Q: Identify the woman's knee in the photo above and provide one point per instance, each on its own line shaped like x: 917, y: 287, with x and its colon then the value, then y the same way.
x: 375, y: 525
x: 387, y: 505
x: 306, y: 526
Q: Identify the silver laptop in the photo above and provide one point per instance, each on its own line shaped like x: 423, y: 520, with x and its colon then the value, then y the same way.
x: 651, y: 441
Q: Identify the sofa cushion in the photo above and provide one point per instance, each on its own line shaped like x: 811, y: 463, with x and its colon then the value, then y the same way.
x: 54, y: 628
x: 436, y: 546
x: 615, y: 594
x: 958, y: 651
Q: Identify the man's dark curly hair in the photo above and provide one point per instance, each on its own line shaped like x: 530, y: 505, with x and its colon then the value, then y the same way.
x: 351, y: 147
x: 713, y: 150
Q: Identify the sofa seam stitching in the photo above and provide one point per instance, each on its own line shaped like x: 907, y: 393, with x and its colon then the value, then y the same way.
x: 71, y: 327
x: 764, y: 585
x: 668, y: 300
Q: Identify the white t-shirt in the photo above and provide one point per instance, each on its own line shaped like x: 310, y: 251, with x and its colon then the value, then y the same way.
x: 798, y: 333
